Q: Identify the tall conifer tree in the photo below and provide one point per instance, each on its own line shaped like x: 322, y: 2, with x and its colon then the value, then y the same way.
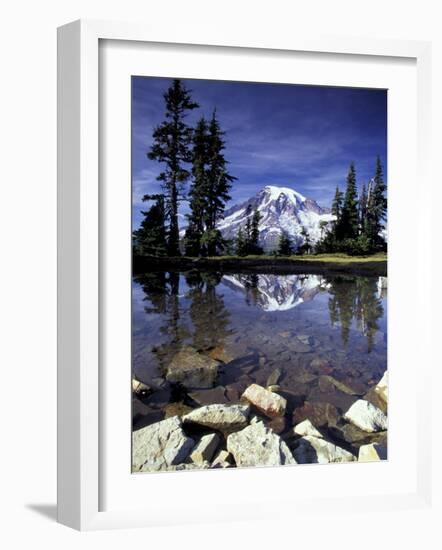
x: 171, y: 147
x: 349, y: 221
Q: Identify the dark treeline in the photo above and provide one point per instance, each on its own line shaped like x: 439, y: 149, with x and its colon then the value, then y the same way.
x: 359, y: 220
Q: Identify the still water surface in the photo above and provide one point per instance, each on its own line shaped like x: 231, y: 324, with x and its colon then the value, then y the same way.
x: 303, y: 325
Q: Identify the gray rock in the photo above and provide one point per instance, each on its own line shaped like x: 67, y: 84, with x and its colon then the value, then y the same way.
x: 160, y: 445
x: 306, y: 428
x: 311, y: 449
x: 192, y: 369
x: 366, y: 416
x: 225, y: 418
x: 140, y: 388
x: 274, y: 377
x: 222, y: 460
x: 267, y: 402
x: 190, y: 466
x: 256, y: 445
x: 381, y: 387
x: 372, y: 452
x: 210, y: 396
x: 327, y: 380
x: 205, y: 448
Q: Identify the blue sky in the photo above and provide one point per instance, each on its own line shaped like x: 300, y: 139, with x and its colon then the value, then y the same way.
x: 303, y: 137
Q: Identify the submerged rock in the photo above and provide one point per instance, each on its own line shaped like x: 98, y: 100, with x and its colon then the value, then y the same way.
x: 225, y: 418
x: 267, y: 402
x: 366, y: 416
x: 311, y: 449
x: 327, y: 381
x: 372, y: 452
x: 192, y: 369
x: 176, y: 409
x: 306, y: 428
x: 274, y: 378
x: 205, y: 448
x: 207, y: 397
x: 256, y: 445
x: 140, y: 388
x: 160, y: 445
x: 319, y: 414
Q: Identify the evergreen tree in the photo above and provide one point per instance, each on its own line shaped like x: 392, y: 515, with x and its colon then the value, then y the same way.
x: 241, y: 246
x: 376, y: 208
x: 349, y: 220
x: 150, y: 238
x: 363, y: 210
x: 254, y: 247
x: 305, y: 248
x: 336, y: 208
x: 197, y: 202
x: 218, y: 184
x: 285, y: 247
x: 171, y: 146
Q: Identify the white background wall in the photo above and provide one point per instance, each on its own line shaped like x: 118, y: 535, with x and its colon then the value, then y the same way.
x: 28, y: 252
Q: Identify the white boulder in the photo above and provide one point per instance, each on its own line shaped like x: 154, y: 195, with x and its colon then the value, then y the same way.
x: 205, y: 448
x: 366, y: 416
x: 311, y: 449
x: 160, y: 445
x: 225, y: 418
x: 372, y: 452
x: 256, y: 445
x: 306, y: 428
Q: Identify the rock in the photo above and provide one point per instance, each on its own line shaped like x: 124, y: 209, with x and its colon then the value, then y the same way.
x: 295, y: 345
x: 274, y: 377
x: 319, y: 414
x: 208, y: 397
x: 381, y: 388
x: 305, y: 377
x: 140, y: 388
x: 205, y: 448
x: 192, y: 369
x: 225, y: 418
x: 256, y: 445
x: 220, y: 353
x: 143, y: 415
x: 191, y: 466
x: 329, y: 380
x: 306, y: 428
x: 316, y: 450
x: 321, y: 365
x: 357, y: 437
x: 366, y: 416
x: 306, y: 339
x: 277, y: 424
x: 285, y: 334
x: 176, y: 409
x: 274, y: 389
x: 232, y: 393
x: 160, y: 445
x: 271, y: 404
x: 372, y: 452
x: 373, y: 397
x: 223, y: 460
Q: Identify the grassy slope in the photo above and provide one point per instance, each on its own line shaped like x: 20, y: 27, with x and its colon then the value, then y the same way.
x: 326, y: 258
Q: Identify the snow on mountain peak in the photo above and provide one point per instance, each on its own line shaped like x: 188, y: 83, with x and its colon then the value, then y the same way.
x: 283, y: 210
x: 275, y: 192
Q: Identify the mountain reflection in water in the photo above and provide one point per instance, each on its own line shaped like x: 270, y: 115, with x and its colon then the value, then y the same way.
x: 339, y: 318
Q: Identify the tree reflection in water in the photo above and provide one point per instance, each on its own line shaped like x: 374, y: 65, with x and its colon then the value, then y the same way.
x: 210, y: 318
x: 355, y: 298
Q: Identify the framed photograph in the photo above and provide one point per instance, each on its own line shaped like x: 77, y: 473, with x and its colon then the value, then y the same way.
x: 231, y: 294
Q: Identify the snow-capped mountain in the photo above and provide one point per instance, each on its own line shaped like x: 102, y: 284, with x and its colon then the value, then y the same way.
x: 277, y: 293
x: 283, y: 210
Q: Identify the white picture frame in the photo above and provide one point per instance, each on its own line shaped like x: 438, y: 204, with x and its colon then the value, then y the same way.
x: 79, y: 268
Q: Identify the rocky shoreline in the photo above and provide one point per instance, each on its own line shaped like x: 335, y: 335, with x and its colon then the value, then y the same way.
x: 262, y: 426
